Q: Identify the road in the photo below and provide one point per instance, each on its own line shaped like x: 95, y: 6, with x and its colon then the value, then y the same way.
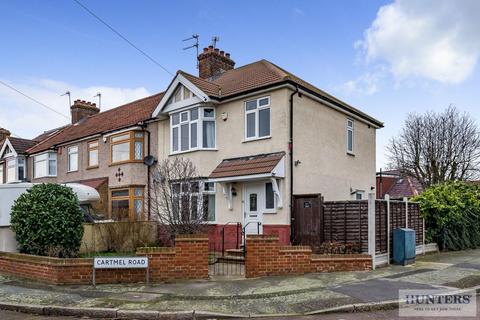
x: 377, y: 315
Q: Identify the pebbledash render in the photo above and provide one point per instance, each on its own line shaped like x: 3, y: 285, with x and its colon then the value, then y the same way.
x: 257, y: 134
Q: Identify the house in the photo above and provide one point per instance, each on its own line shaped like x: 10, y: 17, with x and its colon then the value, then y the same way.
x: 104, y: 150
x: 260, y: 135
x: 397, y: 185
x: 13, y: 157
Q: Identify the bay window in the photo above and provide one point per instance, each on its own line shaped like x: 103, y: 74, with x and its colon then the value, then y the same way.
x: 11, y: 168
x: 194, y: 201
x: 127, y: 204
x: 45, y: 165
x: 192, y: 129
x: 257, y: 118
x: 1, y: 174
x: 126, y: 147
x: 72, y: 158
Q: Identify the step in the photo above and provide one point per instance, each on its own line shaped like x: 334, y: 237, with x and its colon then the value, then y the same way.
x: 235, y: 252
x: 231, y: 259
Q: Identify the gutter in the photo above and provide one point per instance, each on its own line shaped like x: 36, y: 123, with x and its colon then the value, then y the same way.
x: 290, y: 152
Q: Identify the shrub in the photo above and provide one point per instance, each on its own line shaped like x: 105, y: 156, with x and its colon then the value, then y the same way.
x: 452, y: 215
x: 47, y: 221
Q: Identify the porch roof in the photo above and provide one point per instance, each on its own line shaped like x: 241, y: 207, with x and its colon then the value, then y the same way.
x: 94, y: 183
x: 260, y: 164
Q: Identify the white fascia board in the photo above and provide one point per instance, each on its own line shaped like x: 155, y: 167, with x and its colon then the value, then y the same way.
x: 179, y: 79
x: 8, y: 143
x: 279, y: 170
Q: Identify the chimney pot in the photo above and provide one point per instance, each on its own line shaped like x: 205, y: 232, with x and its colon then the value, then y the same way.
x: 227, y: 55
x: 205, y: 50
x: 82, y: 109
x: 222, y: 53
x: 217, y: 50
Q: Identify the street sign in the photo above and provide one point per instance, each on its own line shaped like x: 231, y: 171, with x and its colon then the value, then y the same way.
x: 120, y: 263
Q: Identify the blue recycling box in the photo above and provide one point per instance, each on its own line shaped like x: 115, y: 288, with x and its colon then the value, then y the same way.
x: 403, y: 246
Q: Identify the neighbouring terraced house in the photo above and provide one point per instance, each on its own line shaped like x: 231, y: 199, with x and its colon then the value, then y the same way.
x: 258, y: 135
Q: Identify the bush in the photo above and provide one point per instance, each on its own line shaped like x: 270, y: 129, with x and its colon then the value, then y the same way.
x: 452, y: 215
x: 47, y: 221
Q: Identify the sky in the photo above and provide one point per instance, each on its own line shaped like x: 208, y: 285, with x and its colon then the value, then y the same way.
x: 387, y: 58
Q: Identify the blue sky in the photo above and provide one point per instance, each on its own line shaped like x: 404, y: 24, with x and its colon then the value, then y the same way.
x: 386, y: 58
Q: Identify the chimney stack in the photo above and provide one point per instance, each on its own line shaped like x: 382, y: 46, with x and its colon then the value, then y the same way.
x: 212, y: 62
x: 4, y: 134
x: 82, y: 109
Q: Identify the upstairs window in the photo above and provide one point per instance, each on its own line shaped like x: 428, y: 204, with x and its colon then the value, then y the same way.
x: 93, y: 154
x: 126, y: 147
x: 192, y: 129
x: 45, y: 165
x: 72, y: 158
x: 11, y: 168
x: 21, y: 169
x: 257, y: 118
x: 349, y: 136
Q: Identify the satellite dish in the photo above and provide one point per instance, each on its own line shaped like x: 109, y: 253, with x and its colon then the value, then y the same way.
x: 149, y: 160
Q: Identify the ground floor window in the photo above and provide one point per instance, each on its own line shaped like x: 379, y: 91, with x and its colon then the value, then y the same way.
x: 194, y: 200
x: 127, y: 204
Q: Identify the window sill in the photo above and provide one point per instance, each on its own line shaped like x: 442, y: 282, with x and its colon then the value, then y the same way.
x: 92, y: 167
x: 125, y: 162
x: 73, y: 171
x: 351, y: 154
x: 270, y: 211
x: 194, y: 150
x: 256, y: 139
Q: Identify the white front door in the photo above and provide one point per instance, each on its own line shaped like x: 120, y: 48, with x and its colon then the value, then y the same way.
x: 254, y: 207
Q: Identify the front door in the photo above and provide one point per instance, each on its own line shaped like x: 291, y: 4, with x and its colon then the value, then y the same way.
x: 254, y: 207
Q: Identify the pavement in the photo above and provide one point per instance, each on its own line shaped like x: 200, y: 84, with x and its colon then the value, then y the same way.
x: 272, y: 296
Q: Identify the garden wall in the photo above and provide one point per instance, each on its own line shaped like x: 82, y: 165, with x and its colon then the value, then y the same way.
x: 265, y: 256
x: 187, y: 260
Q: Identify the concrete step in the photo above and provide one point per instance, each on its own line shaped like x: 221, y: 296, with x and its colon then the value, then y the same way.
x: 231, y: 259
x: 234, y: 252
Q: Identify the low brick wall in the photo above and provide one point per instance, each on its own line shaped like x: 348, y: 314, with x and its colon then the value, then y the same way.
x: 265, y: 256
x: 187, y: 260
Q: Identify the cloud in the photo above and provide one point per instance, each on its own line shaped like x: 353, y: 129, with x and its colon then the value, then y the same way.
x: 366, y: 84
x: 27, y: 119
x: 433, y: 39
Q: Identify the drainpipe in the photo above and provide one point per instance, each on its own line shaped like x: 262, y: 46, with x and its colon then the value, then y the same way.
x: 290, y: 153
x: 144, y: 126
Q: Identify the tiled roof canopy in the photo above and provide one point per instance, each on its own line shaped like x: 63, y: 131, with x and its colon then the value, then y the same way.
x: 94, y: 183
x: 262, y: 74
x: 257, y: 164
x: 127, y: 115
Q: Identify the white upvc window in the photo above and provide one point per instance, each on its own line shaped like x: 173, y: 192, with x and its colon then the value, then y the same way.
x: 350, y: 124
x: 257, y: 118
x: 195, y: 198
x: 21, y: 169
x: 45, y: 165
x: 192, y: 129
x: 11, y: 170
x: 1, y: 174
x: 72, y: 158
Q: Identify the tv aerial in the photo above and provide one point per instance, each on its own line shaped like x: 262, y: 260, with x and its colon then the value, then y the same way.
x: 195, y: 45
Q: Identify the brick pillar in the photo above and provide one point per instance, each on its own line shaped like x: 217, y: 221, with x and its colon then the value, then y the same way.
x: 191, y: 256
x: 262, y: 251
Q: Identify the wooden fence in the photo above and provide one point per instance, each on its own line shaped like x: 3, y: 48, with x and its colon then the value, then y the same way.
x: 347, y: 222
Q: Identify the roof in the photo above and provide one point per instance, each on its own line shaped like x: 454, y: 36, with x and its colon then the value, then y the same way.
x: 250, y: 165
x: 114, y: 119
x: 94, y: 183
x: 262, y: 74
x: 21, y: 145
x: 405, y: 187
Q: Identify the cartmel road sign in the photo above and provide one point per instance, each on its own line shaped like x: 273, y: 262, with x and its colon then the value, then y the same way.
x: 120, y: 263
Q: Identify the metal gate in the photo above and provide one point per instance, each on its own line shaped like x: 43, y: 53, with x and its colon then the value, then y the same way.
x: 307, y: 220
x: 227, y: 254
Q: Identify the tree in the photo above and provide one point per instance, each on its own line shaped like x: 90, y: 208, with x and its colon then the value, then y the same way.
x: 47, y: 221
x: 452, y: 215
x: 176, y: 197
x: 437, y: 147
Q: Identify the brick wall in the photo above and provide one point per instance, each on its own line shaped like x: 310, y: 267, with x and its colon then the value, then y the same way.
x: 265, y: 256
x: 187, y: 260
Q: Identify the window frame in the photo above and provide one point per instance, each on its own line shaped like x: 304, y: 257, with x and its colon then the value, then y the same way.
x: 199, y: 121
x: 2, y: 180
x: 131, y: 197
x: 350, y: 128
x: 94, y: 148
x: 69, y: 155
x: 256, y: 112
x: 274, y: 209
x: 131, y: 141
x: 200, y: 194
x: 49, y: 156
x: 9, y: 168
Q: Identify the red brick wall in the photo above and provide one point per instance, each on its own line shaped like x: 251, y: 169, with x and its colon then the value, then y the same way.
x: 265, y: 256
x: 187, y: 260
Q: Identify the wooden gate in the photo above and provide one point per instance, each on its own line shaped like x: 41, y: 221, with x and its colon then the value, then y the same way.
x: 307, y: 220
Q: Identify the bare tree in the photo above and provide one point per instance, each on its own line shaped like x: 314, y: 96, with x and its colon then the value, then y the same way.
x: 437, y: 147
x: 176, y: 197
